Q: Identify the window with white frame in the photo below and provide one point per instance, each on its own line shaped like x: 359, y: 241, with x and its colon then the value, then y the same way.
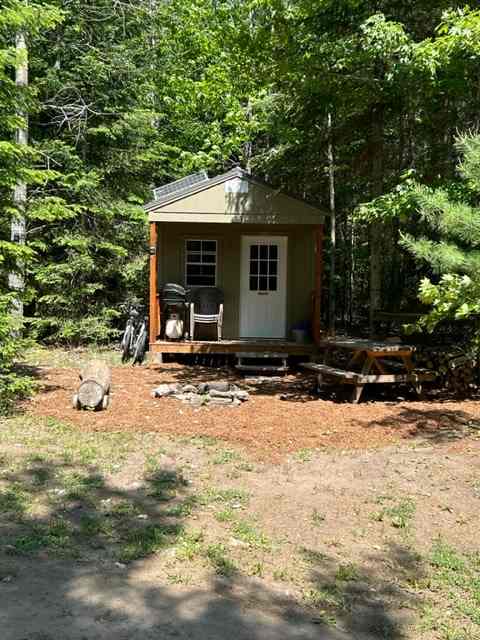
x: 200, y: 263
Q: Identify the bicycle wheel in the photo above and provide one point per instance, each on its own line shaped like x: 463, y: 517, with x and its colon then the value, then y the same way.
x: 140, y: 346
x: 126, y: 341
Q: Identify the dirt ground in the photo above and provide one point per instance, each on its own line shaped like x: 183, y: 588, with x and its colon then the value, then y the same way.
x: 281, y: 417
x: 285, y: 518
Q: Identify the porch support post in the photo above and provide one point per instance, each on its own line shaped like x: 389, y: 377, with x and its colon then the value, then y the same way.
x: 317, y: 296
x: 154, y: 310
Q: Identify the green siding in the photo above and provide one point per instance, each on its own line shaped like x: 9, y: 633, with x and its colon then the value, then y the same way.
x: 300, y: 267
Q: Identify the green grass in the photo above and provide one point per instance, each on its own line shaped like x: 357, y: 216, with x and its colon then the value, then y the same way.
x: 163, y: 484
x: 184, y: 508
x: 225, y: 456
x: 65, y: 443
x: 347, y: 573
x: 226, y: 515
x: 94, y: 526
x: 304, y: 455
x: 189, y: 545
x: 218, y: 557
x: 452, y: 589
x: 328, y: 596
x: 247, y: 532
x: 257, y: 570
x: 317, y: 518
x: 399, y: 515
x: 39, y: 356
x: 236, y: 498
x: 313, y: 557
x: 14, y: 500
x: 143, y: 542
x: 55, y: 536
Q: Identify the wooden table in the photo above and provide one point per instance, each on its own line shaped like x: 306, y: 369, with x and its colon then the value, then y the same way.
x: 371, y: 362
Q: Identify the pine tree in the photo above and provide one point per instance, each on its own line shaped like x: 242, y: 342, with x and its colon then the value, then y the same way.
x: 16, y: 170
x: 450, y: 245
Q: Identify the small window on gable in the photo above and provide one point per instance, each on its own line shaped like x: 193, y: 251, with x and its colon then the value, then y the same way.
x: 200, y: 263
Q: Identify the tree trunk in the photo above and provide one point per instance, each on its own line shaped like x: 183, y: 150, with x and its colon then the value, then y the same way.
x: 376, y: 228
x: 16, y: 280
x: 333, y: 239
x: 94, y: 389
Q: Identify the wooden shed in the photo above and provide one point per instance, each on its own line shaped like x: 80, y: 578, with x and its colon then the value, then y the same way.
x: 262, y: 248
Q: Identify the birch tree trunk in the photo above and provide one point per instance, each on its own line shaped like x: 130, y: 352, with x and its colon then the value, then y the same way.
x: 16, y: 279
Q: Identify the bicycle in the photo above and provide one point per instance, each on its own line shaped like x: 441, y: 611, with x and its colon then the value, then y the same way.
x: 135, y: 337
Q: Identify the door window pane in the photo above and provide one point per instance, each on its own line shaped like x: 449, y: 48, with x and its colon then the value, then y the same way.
x: 263, y: 272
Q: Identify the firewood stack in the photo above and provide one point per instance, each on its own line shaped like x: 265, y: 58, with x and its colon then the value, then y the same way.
x: 456, y: 370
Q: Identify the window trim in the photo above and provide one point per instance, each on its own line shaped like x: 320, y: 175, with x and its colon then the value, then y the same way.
x: 186, y: 262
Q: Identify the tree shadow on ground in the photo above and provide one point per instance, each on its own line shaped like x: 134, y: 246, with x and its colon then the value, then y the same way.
x: 75, y: 564
x: 433, y: 425
x: 371, y: 601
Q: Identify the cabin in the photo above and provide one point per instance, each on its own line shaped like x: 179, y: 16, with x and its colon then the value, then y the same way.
x: 259, y: 246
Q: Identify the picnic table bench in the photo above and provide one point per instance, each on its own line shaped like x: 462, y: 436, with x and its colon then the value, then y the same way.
x: 372, y: 362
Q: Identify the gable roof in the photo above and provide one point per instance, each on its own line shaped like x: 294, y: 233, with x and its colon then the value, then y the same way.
x: 200, y: 183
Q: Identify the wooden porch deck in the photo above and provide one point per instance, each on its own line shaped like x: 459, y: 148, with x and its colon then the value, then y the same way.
x: 232, y: 346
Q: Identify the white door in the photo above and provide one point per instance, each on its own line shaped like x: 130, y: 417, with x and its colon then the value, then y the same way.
x: 263, y: 287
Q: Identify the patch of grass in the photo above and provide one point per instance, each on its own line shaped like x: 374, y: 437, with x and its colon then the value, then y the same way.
x: 317, y: 518
x: 79, y: 486
x: 64, y: 442
x: 236, y: 498
x: 41, y: 356
x: 453, y: 597
x: 94, y: 525
x: 226, y: 456
x: 218, y: 558
x: 13, y: 500
x: 183, y: 509
x: 178, y: 578
x: 328, y: 596
x: 257, y: 570
x: 281, y: 575
x: 57, y: 536
x: 400, y: 515
x: 246, y: 532
x: 202, y: 441
x: 245, y: 466
x: 143, y: 542
x: 163, y: 484
x: 347, y: 573
x: 304, y: 455
x: 122, y: 509
x: 189, y: 545
x: 312, y: 556
x: 226, y: 515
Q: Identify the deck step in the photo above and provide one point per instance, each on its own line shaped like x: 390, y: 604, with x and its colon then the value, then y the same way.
x: 260, y: 354
x: 261, y: 368
x: 262, y: 362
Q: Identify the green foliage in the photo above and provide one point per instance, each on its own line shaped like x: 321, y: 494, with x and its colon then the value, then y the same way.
x: 452, y: 247
x: 12, y: 383
x: 128, y: 96
x: 16, y: 165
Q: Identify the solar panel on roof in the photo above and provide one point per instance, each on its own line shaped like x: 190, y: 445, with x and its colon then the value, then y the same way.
x: 180, y: 185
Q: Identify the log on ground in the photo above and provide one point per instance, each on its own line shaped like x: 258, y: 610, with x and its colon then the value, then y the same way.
x: 94, y: 389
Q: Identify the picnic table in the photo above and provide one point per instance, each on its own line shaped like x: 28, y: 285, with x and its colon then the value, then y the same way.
x: 371, y: 362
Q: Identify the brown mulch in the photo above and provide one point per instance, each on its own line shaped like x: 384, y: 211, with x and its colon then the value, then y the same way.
x: 268, y: 425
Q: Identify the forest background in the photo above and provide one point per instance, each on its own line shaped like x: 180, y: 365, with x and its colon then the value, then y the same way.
x: 369, y: 109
